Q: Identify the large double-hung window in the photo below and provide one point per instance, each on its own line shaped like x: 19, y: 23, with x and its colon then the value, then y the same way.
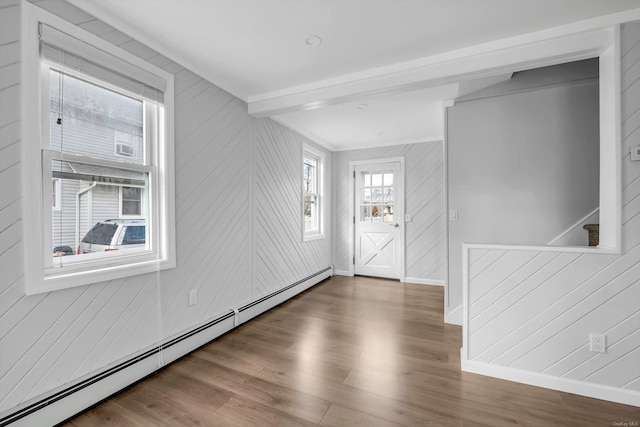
x: 82, y: 94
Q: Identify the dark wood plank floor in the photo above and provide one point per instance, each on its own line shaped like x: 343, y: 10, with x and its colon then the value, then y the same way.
x: 348, y: 352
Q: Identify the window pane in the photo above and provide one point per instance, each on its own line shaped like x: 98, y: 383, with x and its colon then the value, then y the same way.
x: 134, y: 235
x: 131, y: 207
x: 376, y: 213
x: 388, y: 179
x: 376, y: 179
x: 310, y: 213
x: 388, y: 213
x: 388, y: 194
x: 90, y: 120
x: 376, y: 194
x: 100, y: 234
x: 90, y: 195
x: 365, y: 213
x: 310, y: 175
x: 366, y: 179
x: 132, y: 201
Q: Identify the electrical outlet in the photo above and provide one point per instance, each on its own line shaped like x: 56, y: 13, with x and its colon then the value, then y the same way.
x: 193, y: 297
x: 598, y: 343
x: 635, y: 153
x: 408, y: 218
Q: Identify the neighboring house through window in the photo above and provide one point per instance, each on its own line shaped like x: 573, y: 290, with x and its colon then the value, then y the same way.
x: 312, y: 194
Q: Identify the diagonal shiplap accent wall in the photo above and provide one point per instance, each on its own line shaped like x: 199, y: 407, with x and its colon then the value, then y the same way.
x: 278, y: 168
x: 424, y: 199
x: 51, y: 340
x: 533, y: 311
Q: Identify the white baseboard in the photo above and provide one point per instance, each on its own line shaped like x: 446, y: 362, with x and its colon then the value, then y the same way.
x: 597, y: 391
x: 418, y: 281
x: 343, y: 273
x: 454, y: 317
x: 64, y: 403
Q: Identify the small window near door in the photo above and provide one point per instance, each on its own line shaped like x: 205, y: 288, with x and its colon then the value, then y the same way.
x: 312, y: 195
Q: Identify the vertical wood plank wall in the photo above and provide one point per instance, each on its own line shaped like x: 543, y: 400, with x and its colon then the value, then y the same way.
x: 424, y: 199
x: 226, y: 161
x: 533, y: 311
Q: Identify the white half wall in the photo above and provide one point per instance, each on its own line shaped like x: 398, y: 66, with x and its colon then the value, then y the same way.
x: 529, y: 311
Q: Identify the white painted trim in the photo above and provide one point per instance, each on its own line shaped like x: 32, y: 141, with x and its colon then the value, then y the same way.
x: 74, y: 403
x: 387, y: 143
x: 67, y: 407
x: 533, y: 248
x: 597, y: 391
x: 445, y: 160
x: 574, y: 226
x: 344, y: 273
x: 534, y: 50
x: 561, y: 31
x: 418, y: 281
x: 610, y: 145
x: 304, y: 132
x: 352, y: 169
x: 454, y: 317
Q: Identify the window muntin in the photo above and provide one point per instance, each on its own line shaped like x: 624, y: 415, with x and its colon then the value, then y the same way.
x: 57, y: 51
x: 311, y: 195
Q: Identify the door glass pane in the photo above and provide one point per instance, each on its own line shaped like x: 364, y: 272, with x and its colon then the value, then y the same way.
x: 366, y: 179
x: 365, y: 213
x: 388, y: 194
x: 366, y: 194
x: 376, y: 194
x: 388, y: 212
x: 376, y: 179
x: 388, y: 178
x: 377, y: 213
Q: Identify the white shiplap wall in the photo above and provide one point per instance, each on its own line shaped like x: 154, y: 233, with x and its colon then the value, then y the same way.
x: 531, y: 312
x: 277, y: 187
x: 51, y: 340
x: 424, y: 199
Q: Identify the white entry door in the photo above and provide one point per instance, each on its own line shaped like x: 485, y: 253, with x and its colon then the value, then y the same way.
x: 378, y: 220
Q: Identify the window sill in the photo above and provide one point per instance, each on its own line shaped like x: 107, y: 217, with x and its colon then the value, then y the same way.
x: 312, y: 237
x: 48, y: 282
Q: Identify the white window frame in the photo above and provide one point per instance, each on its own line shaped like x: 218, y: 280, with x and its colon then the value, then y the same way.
x: 310, y: 235
x: 41, y: 274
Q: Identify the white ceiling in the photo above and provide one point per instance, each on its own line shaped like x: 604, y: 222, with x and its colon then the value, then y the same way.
x: 255, y: 49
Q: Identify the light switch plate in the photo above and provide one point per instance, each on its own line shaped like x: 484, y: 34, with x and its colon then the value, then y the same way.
x: 408, y: 218
x: 453, y: 215
x: 635, y: 153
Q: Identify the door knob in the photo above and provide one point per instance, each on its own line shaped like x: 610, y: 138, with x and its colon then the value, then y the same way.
x: 395, y: 224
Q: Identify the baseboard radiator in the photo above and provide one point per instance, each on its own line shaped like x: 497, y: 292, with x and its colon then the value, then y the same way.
x: 65, y: 403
